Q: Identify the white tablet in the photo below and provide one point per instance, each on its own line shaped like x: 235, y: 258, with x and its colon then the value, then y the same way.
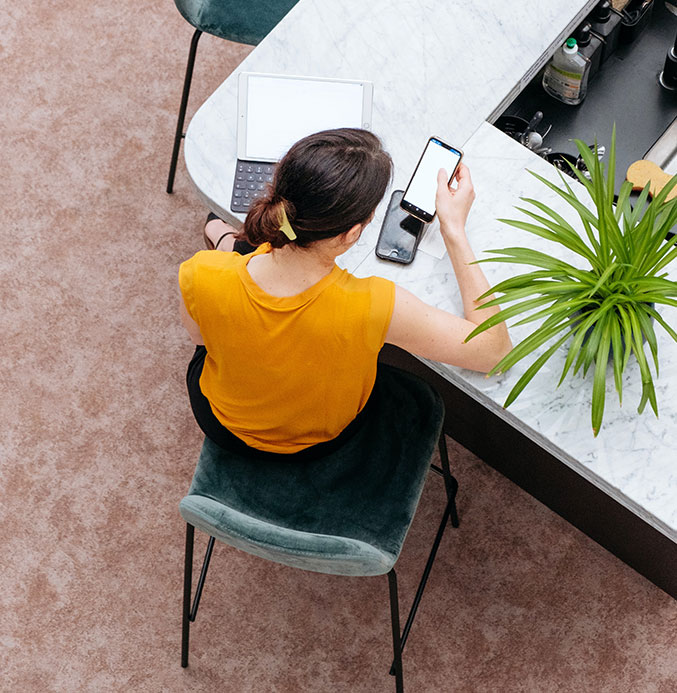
x: 274, y: 111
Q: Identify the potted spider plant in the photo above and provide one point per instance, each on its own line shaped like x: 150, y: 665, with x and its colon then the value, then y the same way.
x: 604, y: 303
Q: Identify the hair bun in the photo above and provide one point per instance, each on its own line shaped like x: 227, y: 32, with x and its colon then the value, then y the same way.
x: 265, y: 218
x: 335, y: 178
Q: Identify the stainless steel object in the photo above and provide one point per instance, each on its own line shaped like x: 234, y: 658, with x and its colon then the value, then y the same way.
x: 537, y: 117
x: 533, y: 140
x: 668, y: 76
x: 664, y: 150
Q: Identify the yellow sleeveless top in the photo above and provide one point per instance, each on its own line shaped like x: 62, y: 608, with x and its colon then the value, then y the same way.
x: 283, y: 374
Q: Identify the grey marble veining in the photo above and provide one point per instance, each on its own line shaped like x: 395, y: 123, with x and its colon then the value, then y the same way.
x: 437, y: 67
x: 633, y: 457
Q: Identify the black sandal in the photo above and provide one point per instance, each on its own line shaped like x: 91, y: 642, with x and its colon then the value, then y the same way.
x: 211, y: 246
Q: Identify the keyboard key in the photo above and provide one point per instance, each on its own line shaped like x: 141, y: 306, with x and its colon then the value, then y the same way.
x: 251, y: 180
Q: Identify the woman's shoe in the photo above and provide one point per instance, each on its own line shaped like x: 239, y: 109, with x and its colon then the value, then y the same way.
x: 208, y: 243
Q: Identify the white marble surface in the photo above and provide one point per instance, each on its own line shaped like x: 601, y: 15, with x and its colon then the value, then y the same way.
x: 438, y: 68
x: 633, y: 457
x: 443, y: 68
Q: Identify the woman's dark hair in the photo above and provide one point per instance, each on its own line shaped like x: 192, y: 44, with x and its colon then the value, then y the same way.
x: 326, y: 183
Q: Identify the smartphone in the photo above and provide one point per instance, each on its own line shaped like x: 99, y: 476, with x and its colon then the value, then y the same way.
x: 400, y: 232
x: 419, y: 197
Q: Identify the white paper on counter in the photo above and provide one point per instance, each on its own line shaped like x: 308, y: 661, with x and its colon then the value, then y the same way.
x: 432, y: 243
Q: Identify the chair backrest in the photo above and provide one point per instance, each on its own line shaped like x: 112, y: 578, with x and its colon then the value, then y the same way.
x: 235, y: 20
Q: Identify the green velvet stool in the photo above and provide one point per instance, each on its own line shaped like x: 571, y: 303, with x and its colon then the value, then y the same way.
x: 242, y: 21
x: 346, y: 513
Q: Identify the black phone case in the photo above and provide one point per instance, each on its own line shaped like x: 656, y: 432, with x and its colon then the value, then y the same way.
x: 396, y: 223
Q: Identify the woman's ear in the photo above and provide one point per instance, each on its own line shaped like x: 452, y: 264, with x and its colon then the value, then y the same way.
x: 354, y: 233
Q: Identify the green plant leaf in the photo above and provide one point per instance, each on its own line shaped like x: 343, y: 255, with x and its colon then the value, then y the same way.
x: 520, y: 280
x: 605, y: 275
x: 611, y: 168
x: 588, y: 218
x: 658, y: 298
x: 507, y: 313
x: 580, y: 331
x: 546, y: 332
x: 599, y: 380
x: 618, y: 354
x: 563, y: 223
x: 659, y: 319
x: 665, y: 191
x: 552, y: 231
x: 627, y: 252
x: 589, y: 157
x: 638, y: 208
x: 535, y: 258
x: 533, y: 369
x: 648, y: 392
x: 665, y: 253
x: 544, y: 288
x: 647, y: 329
x: 627, y: 335
x: 589, y: 350
x: 661, y: 219
x: 562, y: 308
x: 623, y: 198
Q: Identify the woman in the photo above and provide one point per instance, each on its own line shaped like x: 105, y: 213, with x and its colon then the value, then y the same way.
x: 290, y: 340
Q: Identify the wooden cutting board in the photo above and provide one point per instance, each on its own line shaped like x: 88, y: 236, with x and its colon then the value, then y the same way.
x: 643, y: 171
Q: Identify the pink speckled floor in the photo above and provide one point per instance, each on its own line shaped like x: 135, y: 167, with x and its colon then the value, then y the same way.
x: 98, y: 446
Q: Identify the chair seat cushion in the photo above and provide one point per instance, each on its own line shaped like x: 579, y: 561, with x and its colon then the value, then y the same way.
x: 235, y: 20
x: 347, y: 513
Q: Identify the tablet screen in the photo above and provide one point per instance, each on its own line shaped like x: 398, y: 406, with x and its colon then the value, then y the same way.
x: 282, y: 110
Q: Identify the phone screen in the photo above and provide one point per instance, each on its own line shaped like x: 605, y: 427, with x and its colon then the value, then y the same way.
x: 419, y: 197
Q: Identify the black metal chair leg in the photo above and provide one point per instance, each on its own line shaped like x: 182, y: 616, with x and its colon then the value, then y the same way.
x: 187, y: 582
x: 395, y: 620
x: 182, y: 109
x: 201, y: 581
x: 450, y: 483
x: 424, y: 580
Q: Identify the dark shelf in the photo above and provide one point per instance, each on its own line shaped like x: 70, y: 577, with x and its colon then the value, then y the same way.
x: 624, y: 91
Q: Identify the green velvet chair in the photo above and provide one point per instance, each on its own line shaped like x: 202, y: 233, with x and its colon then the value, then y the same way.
x: 242, y: 21
x: 345, y: 514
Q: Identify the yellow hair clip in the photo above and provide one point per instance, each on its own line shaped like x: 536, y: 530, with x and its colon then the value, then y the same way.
x: 285, y: 226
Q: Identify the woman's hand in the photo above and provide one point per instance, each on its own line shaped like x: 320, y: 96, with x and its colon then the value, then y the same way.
x: 453, y: 206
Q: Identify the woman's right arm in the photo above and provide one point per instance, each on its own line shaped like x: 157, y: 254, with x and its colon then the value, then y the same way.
x: 433, y: 333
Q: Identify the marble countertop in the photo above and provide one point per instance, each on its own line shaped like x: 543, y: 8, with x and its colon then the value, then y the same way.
x: 437, y: 67
x: 445, y: 69
x: 632, y: 459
